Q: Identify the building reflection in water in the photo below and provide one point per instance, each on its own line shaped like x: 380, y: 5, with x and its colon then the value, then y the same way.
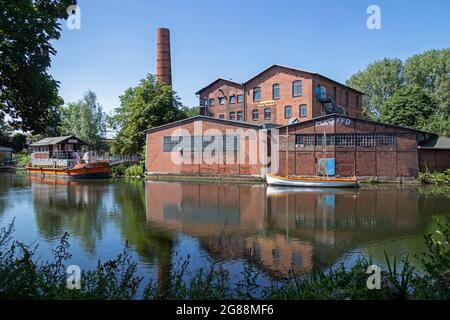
x: 285, y: 228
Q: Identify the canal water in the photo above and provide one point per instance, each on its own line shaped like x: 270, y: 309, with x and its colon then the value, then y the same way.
x: 165, y: 222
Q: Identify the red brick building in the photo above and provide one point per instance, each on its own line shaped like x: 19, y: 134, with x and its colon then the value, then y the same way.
x: 357, y: 147
x: 181, y: 147
x: 323, y: 121
x: 277, y: 95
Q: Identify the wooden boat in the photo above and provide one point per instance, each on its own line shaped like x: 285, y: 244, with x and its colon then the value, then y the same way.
x: 64, y: 157
x: 97, y: 170
x: 316, y: 182
x: 275, y: 191
x: 319, y: 182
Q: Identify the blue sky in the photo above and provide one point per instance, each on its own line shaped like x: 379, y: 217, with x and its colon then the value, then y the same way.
x: 115, y: 46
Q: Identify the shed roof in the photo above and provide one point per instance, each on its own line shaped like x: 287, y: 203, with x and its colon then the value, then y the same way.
x: 6, y: 149
x: 204, y: 118
x: 54, y: 140
x: 437, y: 143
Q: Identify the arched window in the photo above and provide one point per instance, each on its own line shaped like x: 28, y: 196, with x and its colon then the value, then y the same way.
x: 275, y: 91
x: 256, y: 94
x: 287, y: 112
x: 267, y: 113
x: 297, y: 88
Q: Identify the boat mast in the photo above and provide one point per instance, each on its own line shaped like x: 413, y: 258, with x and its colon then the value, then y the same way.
x: 287, y: 153
x: 324, y: 153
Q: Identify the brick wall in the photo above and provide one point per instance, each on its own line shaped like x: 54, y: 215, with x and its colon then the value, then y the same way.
x: 158, y: 161
x: 350, y: 100
x: 398, y: 160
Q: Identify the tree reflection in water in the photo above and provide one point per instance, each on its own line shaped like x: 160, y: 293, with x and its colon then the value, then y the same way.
x: 274, y: 228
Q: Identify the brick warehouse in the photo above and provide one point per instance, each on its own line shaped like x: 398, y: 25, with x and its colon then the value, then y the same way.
x: 277, y: 95
x: 322, y: 118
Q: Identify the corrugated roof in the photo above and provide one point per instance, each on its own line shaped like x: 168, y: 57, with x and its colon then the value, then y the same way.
x: 6, y: 149
x: 204, y: 118
x: 441, y: 142
x: 53, y: 140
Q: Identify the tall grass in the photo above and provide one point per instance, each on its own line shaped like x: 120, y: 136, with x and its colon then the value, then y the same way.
x: 22, y: 276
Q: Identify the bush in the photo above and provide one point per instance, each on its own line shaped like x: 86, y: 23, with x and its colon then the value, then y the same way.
x: 428, y: 177
x: 23, y: 159
x: 119, y: 170
x: 134, y: 171
x: 21, y: 277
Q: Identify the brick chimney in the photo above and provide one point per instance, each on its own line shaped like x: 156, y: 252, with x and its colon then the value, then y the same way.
x: 163, y: 62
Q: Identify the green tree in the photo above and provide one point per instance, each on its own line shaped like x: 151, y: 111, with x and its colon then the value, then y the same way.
x: 5, y: 134
x: 85, y: 119
x: 409, y: 106
x: 152, y: 103
x: 379, y: 81
x: 191, y: 111
x: 18, y: 142
x: 431, y: 71
x: 28, y: 94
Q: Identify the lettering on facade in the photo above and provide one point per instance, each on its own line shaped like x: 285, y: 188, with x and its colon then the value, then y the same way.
x: 331, y: 121
x: 266, y: 103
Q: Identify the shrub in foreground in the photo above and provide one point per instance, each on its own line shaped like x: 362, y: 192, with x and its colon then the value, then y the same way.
x: 22, y: 276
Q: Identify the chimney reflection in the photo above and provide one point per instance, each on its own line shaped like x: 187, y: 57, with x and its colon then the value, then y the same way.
x: 282, y: 228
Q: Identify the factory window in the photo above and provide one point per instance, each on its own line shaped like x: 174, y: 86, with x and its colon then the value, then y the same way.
x: 212, y: 102
x: 267, y: 113
x: 276, y: 91
x: 385, y: 139
x: 345, y: 139
x: 221, y: 100
x: 232, y: 115
x: 304, y: 139
x: 303, y: 112
x: 287, y: 112
x: 297, y: 88
x: 170, y: 143
x: 255, y: 114
x: 256, y: 94
x: 240, y: 116
x: 240, y: 98
x: 366, y: 139
x: 221, y: 116
x: 232, y: 99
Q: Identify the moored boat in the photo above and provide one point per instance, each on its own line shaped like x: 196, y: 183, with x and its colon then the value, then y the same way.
x: 319, y: 182
x: 66, y: 157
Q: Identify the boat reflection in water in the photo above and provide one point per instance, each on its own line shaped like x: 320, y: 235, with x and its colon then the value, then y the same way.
x: 286, y: 228
x: 275, y: 229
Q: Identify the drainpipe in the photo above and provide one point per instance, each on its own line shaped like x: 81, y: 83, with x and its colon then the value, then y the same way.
x: 245, y: 102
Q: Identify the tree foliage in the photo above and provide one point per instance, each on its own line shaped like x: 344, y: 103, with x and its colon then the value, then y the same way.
x: 84, y: 119
x: 428, y: 71
x: 407, y: 107
x: 379, y: 81
x: 28, y: 94
x: 431, y: 71
x: 150, y: 104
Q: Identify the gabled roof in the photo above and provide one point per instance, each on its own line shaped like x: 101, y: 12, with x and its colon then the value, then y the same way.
x: 204, y: 118
x: 357, y: 119
x: 299, y: 70
x: 54, y: 140
x: 219, y: 79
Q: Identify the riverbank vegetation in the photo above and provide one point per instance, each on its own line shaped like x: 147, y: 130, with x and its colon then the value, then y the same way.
x: 436, y: 178
x: 22, y: 276
x: 128, y: 170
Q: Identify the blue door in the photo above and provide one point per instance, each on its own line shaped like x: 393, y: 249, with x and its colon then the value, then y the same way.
x: 326, y: 166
